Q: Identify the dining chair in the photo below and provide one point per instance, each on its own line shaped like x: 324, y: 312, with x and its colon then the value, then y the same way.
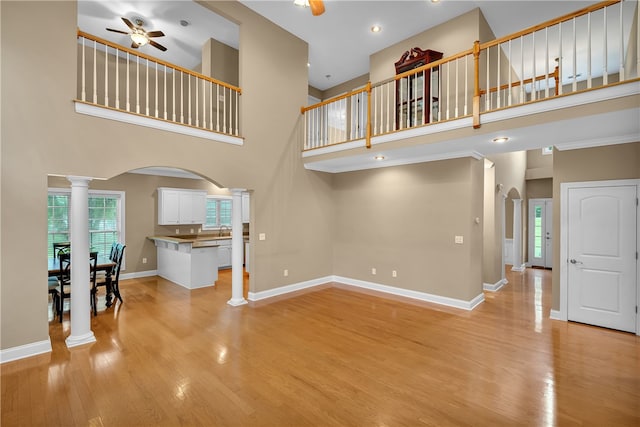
x: 63, y: 289
x: 112, y: 280
x: 60, y: 247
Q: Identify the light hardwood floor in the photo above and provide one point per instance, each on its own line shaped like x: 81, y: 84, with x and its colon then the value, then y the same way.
x: 331, y: 356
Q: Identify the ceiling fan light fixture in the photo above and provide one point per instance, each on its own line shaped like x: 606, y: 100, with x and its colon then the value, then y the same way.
x: 139, y: 38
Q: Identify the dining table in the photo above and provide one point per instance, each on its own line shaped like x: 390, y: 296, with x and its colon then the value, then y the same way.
x: 103, y: 264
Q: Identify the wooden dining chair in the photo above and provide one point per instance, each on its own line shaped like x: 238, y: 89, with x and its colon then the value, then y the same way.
x: 112, y: 280
x: 63, y: 289
x: 60, y: 247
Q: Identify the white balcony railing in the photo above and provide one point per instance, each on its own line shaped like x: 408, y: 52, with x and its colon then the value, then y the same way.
x: 122, y: 79
x: 594, y: 47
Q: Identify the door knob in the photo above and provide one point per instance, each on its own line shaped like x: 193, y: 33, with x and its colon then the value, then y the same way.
x: 575, y: 261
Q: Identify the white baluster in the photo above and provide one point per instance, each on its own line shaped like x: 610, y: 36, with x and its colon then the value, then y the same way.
x: 138, y: 84
x: 457, y: 90
x: 224, y: 109
x: 106, y: 76
x: 533, y: 67
x: 487, y: 99
x: 560, y: 61
x: 448, y: 93
x: 211, y: 105
x: 605, y: 73
x: 173, y: 95
x: 546, y: 57
x: 146, y: 91
x: 589, y: 73
x: 237, y: 113
x: 621, y: 37
x: 83, y: 93
x: 117, y: 78
x: 95, y: 74
x: 164, y: 89
x: 509, y: 94
x: 197, y: 105
x: 466, y: 84
x: 128, y: 101
x: 181, y: 96
x: 217, y: 107
x: 189, y: 98
x: 574, y: 85
x: 156, y: 71
x: 522, y: 93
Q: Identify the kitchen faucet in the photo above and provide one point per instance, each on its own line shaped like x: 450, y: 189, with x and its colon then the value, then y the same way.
x: 225, y: 227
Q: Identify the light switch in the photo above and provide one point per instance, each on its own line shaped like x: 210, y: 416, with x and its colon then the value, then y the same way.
x: 262, y: 236
x: 459, y: 240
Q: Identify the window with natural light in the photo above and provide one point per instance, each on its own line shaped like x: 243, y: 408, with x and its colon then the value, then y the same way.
x: 218, y: 212
x: 106, y: 219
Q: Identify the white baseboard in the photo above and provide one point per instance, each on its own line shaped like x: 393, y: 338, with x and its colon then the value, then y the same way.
x: 496, y: 286
x: 257, y: 296
x: 555, y: 315
x: 138, y: 274
x: 521, y: 267
x: 23, y: 351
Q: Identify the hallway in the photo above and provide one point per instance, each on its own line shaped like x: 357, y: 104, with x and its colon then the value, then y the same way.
x: 330, y: 355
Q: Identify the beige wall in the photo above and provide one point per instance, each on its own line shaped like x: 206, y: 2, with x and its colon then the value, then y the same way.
x: 42, y: 135
x: 220, y: 62
x: 590, y: 164
x: 352, y: 84
x: 405, y: 219
x: 540, y: 188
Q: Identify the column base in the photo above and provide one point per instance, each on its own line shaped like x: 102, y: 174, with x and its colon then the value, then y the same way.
x: 74, y: 341
x: 237, y: 302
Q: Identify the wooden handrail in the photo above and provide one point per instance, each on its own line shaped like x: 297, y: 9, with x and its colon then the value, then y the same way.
x: 158, y: 61
x: 549, y: 23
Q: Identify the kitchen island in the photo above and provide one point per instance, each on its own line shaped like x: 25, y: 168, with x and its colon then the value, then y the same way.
x: 189, y: 261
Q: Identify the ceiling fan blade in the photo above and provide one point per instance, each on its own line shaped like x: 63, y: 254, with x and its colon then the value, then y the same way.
x: 117, y: 31
x: 129, y: 24
x: 155, y: 34
x: 134, y: 45
x: 317, y: 7
x: 157, y: 45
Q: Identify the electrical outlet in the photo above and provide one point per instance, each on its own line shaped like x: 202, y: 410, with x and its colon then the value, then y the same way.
x: 286, y: 273
x: 262, y: 236
x: 191, y: 231
x: 373, y: 271
x: 177, y: 231
x: 459, y: 240
x: 199, y: 230
x: 394, y: 273
x: 144, y: 260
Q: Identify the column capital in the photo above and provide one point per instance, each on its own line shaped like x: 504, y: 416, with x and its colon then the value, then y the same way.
x: 517, y: 201
x: 79, y: 180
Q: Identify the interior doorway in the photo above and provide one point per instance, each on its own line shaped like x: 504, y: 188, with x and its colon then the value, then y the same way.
x: 541, y: 233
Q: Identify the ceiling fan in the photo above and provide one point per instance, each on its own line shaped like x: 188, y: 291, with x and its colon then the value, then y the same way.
x: 317, y: 6
x: 140, y: 37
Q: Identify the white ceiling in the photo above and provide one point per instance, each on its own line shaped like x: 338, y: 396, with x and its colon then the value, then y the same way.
x: 340, y: 40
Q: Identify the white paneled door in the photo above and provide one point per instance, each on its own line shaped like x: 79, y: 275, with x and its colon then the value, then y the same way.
x: 601, y: 259
x: 540, y: 233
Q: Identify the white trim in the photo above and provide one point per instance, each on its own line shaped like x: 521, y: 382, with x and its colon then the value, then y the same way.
x: 138, y: 274
x: 75, y: 341
x: 521, y: 267
x: 269, y: 293
x: 334, y: 148
x: 496, y: 286
x: 562, y: 313
x: 26, y: 350
x: 598, y: 142
x: 461, y: 123
x: 422, y: 296
x: 134, y: 119
x: 555, y: 315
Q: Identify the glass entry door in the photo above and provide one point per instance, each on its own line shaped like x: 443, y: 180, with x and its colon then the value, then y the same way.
x: 540, y: 233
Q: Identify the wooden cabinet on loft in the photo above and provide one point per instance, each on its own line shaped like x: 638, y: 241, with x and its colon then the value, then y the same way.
x: 417, y: 95
x: 181, y: 206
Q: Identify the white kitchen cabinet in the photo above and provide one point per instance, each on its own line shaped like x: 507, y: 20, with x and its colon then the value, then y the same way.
x: 181, y: 206
x: 245, y: 208
x: 224, y: 253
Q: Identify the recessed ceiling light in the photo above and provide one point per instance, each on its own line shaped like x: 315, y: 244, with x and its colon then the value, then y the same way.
x: 435, y: 1
x: 379, y: 157
x: 308, y: 65
x: 500, y: 139
x: 376, y: 29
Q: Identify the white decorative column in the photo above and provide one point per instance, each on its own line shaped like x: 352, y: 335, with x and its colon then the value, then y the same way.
x: 517, y: 235
x: 237, y: 248
x: 503, y: 236
x: 81, y: 332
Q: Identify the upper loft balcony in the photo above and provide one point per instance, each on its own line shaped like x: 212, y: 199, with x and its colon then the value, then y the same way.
x: 572, y: 82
